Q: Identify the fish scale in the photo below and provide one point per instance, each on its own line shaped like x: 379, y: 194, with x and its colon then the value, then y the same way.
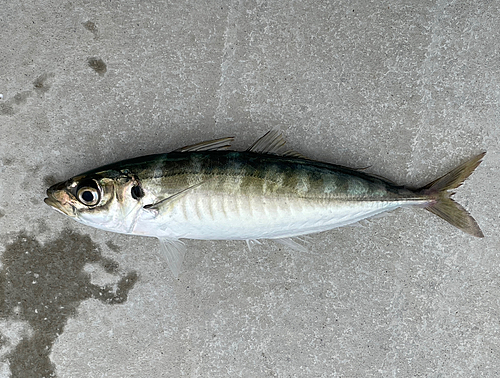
x: 204, y: 191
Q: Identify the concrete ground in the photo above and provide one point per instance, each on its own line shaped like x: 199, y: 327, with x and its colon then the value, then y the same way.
x: 410, y: 89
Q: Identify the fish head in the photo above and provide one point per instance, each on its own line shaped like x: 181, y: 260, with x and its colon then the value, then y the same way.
x: 107, y: 200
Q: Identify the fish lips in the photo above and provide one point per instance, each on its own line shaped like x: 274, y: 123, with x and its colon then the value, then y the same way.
x: 59, y: 199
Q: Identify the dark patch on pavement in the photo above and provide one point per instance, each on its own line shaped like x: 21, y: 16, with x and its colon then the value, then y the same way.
x: 97, y: 64
x: 91, y: 27
x: 21, y: 97
x: 34, y: 200
x: 6, y: 108
x: 43, y: 285
x: 42, y: 83
x: 7, y: 161
x: 50, y: 180
x: 42, y: 226
x: 113, y: 246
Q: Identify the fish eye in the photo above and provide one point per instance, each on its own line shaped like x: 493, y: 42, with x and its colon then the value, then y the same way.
x: 88, y: 193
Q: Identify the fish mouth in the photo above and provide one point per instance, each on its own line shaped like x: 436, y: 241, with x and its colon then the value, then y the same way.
x: 58, y: 199
x: 57, y: 206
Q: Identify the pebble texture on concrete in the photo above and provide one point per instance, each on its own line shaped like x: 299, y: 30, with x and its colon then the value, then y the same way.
x: 409, y: 89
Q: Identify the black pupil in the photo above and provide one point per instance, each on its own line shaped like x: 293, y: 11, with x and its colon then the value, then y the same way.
x: 87, y: 196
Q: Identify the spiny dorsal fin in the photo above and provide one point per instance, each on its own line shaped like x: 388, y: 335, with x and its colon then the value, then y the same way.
x: 273, y: 143
x: 209, y: 145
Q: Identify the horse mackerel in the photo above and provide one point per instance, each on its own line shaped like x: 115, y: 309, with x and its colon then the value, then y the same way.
x: 205, y: 191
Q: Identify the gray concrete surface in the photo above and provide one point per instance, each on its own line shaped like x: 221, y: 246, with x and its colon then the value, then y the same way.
x: 409, y: 88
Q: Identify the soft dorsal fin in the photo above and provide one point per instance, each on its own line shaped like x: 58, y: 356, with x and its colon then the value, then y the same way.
x: 273, y: 143
x: 209, y: 145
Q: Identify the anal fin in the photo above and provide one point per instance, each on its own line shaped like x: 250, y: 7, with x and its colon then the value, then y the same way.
x: 289, y: 242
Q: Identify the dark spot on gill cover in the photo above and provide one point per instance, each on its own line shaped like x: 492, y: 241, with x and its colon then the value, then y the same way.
x: 137, y: 192
x: 97, y: 64
x: 43, y: 285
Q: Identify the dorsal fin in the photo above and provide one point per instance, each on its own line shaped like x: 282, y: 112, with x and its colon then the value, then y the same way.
x: 273, y: 143
x: 209, y: 145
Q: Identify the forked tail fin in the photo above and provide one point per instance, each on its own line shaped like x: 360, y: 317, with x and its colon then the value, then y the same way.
x: 444, y: 206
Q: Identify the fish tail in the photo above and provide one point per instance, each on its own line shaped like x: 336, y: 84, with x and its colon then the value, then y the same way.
x: 443, y: 206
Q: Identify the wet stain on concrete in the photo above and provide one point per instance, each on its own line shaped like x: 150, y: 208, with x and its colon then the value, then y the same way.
x: 21, y: 97
x: 42, y: 226
x: 41, y: 85
x: 91, y: 27
x: 42, y: 82
x: 50, y: 180
x: 7, y: 161
x: 42, y: 285
x: 97, y: 64
x: 113, y: 246
x: 35, y: 200
x: 6, y: 108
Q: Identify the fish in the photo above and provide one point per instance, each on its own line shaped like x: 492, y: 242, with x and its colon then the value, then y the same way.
x: 207, y: 191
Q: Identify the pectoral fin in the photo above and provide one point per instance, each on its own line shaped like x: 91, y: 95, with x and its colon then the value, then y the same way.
x: 173, y: 251
x: 155, y: 207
